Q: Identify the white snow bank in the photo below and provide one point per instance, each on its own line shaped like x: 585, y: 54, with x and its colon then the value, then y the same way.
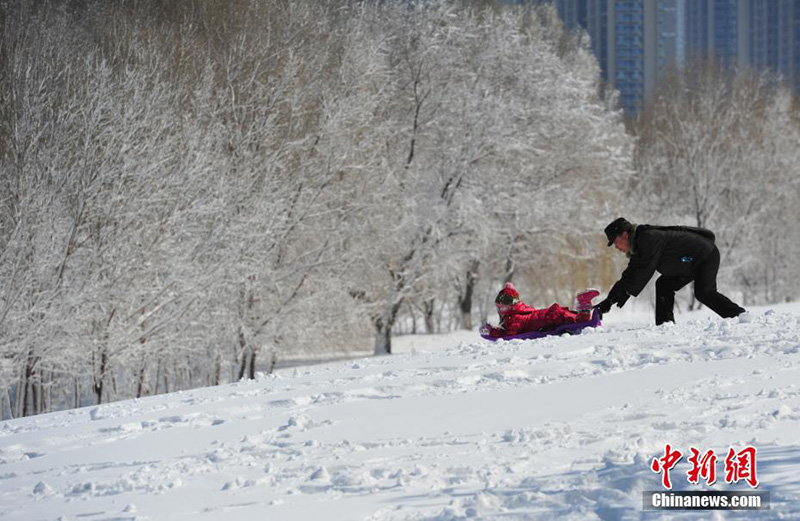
x: 453, y: 428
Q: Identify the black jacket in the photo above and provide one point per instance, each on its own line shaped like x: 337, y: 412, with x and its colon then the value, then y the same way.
x: 673, y: 251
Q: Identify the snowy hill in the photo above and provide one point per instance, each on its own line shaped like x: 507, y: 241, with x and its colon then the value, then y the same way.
x: 451, y: 428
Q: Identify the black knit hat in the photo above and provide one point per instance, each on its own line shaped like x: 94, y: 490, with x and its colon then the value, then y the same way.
x: 617, y: 227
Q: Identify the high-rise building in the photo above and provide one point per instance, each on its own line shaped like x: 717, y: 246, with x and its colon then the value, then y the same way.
x: 597, y: 27
x: 627, y: 48
x: 671, y: 34
x: 697, y: 29
x: 764, y: 34
x: 789, y: 42
x: 719, y: 30
x: 572, y: 13
x: 637, y: 41
x: 775, y: 38
x: 723, y: 31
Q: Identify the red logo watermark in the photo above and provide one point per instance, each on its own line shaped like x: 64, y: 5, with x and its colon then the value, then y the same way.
x: 739, y: 466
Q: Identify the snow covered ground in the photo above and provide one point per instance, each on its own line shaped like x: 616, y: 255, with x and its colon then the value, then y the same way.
x: 452, y: 427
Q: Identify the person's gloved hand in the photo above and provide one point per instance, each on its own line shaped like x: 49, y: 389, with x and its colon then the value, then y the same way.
x: 622, y: 300
x: 605, y: 306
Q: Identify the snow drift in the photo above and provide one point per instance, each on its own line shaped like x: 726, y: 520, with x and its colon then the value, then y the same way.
x: 560, y: 427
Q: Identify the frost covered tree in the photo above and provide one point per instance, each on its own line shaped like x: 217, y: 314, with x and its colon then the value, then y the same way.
x: 38, y: 231
x: 192, y: 192
x: 569, y: 157
x: 717, y: 149
x: 490, y: 119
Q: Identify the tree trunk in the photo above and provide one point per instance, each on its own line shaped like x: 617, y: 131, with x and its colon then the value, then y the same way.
x: 383, y: 328
x: 242, y: 366
x: 48, y: 397
x: 18, y: 397
x: 465, y: 302
x: 252, y: 372
x: 100, y: 381
x: 140, y: 385
x: 25, y: 399
x: 30, y: 372
x: 383, y: 338
x: 218, y: 370
x: 143, y: 371
x: 428, y: 306
x: 158, y: 376
x: 36, y: 395
x: 42, y: 407
x: 242, y: 355
x: 7, y: 400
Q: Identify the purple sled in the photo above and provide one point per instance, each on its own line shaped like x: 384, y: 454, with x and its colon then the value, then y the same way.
x: 572, y: 329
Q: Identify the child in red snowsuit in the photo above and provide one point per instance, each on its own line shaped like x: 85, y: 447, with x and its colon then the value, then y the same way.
x: 516, y: 317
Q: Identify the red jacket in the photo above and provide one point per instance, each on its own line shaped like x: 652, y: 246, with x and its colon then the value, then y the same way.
x: 520, y: 318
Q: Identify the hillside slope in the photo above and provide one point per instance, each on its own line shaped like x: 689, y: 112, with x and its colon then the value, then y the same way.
x: 560, y: 427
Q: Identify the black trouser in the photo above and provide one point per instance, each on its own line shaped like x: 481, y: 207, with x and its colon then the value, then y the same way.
x: 705, y: 290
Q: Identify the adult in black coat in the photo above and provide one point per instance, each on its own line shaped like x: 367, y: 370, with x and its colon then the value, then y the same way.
x: 681, y: 254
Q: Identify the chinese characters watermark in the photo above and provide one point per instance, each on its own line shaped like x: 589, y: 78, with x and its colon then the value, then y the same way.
x: 739, y: 466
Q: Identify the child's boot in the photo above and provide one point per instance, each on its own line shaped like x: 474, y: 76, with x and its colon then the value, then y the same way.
x: 583, y: 304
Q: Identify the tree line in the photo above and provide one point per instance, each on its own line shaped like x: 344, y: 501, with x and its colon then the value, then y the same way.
x: 194, y: 191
